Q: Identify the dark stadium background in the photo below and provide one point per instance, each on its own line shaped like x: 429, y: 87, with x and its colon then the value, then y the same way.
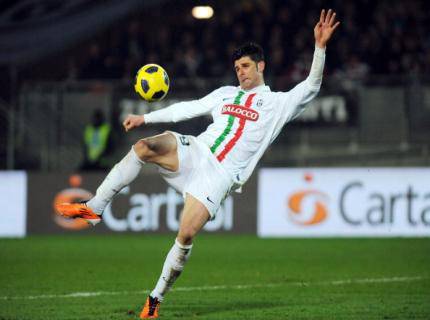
x: 51, y: 49
x: 62, y: 60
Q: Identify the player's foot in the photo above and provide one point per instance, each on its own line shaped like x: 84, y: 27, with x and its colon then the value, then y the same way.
x: 150, y: 310
x: 78, y: 210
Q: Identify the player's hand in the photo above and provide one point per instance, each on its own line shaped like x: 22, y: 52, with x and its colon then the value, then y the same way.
x: 325, y: 27
x: 133, y: 121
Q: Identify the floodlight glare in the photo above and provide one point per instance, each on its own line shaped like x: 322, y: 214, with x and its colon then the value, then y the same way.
x: 202, y: 12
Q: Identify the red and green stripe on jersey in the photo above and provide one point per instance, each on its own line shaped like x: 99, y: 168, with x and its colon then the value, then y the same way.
x: 227, y: 132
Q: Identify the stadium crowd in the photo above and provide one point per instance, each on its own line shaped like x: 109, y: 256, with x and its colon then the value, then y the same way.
x: 376, y: 37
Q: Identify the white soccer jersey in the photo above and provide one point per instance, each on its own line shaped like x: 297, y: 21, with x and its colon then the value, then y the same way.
x: 245, y: 122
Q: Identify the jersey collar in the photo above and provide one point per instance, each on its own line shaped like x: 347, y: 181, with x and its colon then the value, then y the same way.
x: 260, y: 88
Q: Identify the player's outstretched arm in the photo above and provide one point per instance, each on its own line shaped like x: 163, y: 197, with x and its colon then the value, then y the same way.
x: 176, y: 112
x: 323, y: 31
x: 308, y: 89
x: 325, y: 27
x: 181, y: 111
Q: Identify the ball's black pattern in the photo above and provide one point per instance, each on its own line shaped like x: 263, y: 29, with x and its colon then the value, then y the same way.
x: 158, y: 95
x: 151, y: 69
x: 145, y: 85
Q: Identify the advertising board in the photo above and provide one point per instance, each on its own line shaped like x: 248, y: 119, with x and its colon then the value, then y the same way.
x: 148, y: 205
x: 13, y: 203
x: 351, y: 202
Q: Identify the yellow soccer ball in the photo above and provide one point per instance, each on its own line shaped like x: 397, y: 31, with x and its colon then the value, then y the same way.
x: 152, y: 82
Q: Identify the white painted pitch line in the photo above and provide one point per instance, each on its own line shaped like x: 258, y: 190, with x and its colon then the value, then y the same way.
x: 220, y: 287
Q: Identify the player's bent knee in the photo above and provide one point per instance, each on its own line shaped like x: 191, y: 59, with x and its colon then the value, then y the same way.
x: 142, y: 149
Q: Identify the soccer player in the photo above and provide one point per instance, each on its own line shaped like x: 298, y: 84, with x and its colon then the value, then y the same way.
x: 205, y: 169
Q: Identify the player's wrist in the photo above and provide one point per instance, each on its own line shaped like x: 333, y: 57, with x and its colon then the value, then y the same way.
x: 319, y: 52
x: 147, y: 118
x: 319, y: 44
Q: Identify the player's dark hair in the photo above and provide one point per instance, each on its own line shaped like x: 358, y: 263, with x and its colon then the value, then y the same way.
x: 251, y: 49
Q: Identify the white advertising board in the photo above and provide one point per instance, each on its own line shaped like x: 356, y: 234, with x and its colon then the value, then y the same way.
x: 348, y: 202
x: 13, y: 203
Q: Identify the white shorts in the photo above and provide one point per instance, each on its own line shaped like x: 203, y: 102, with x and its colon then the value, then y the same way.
x: 199, y: 174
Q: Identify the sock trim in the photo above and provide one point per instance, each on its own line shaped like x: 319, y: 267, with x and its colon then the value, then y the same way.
x: 155, y: 294
x: 183, y: 246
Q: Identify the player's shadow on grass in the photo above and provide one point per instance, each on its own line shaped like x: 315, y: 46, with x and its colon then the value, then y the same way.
x: 201, y: 309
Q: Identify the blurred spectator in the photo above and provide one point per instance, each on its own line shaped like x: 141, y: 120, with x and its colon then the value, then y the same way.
x: 98, y: 143
x: 355, y: 69
x: 94, y: 66
x: 376, y: 37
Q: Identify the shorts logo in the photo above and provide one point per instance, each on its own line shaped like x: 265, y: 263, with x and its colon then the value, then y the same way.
x: 240, y: 112
x: 184, y: 140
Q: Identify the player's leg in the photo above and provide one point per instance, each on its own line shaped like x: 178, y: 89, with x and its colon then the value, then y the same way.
x: 160, y: 149
x: 194, y: 217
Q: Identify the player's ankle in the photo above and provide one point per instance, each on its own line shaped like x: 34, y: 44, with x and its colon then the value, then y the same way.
x: 96, y: 205
x: 155, y: 294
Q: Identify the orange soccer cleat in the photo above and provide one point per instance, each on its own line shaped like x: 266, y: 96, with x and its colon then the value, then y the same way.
x: 150, y: 310
x: 78, y: 210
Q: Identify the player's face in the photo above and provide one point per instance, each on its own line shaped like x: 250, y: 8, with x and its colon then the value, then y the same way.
x: 249, y: 73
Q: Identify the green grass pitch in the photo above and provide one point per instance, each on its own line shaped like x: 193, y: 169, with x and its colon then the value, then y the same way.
x: 227, y: 277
